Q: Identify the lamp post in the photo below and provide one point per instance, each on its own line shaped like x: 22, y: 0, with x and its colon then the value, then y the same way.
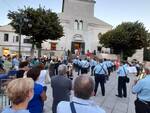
x: 20, y: 28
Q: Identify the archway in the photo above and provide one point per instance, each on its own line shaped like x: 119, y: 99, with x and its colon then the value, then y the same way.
x: 78, y: 44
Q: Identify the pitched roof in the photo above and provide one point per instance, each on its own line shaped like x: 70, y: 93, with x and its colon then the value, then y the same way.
x: 96, y: 21
x: 7, y: 28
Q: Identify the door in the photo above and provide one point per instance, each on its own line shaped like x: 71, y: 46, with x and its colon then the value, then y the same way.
x: 79, y: 46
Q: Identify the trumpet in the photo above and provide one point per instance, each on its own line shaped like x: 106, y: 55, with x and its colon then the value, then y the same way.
x: 141, y: 75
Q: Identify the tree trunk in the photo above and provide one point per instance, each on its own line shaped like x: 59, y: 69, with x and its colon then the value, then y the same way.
x: 39, y: 47
x: 39, y: 52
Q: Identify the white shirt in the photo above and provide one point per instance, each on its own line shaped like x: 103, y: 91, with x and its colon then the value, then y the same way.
x: 42, y: 77
x: 81, y: 106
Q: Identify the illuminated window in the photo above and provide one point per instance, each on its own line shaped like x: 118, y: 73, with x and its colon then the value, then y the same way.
x: 6, y: 51
x: 53, y: 46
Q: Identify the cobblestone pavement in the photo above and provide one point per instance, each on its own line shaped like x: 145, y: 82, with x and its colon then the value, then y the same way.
x: 110, y: 103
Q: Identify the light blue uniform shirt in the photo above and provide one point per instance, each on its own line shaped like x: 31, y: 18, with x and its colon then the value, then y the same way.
x: 79, y: 63
x: 85, y: 64
x: 108, y: 63
x: 81, y: 106
x: 10, y: 110
x: 75, y: 61
x: 99, y: 70
x: 93, y: 63
x: 122, y: 71
x: 15, y: 62
x: 142, y: 88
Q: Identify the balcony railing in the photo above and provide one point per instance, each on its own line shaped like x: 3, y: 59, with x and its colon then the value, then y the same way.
x: 4, y: 101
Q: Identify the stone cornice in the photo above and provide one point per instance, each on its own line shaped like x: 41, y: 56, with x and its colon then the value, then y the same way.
x: 65, y: 21
x: 98, y: 25
x: 92, y: 1
x: 13, y: 31
x: 29, y: 46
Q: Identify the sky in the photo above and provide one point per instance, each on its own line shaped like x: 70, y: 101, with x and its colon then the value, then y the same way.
x: 113, y: 12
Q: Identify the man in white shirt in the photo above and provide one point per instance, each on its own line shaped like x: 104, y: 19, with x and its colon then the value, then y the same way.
x: 83, y: 90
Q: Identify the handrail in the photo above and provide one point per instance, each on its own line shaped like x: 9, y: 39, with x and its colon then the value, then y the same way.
x: 4, y: 101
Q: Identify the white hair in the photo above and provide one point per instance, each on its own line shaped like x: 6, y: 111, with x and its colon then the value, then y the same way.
x: 62, y: 69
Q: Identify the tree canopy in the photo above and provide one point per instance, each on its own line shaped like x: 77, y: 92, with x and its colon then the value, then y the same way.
x: 44, y: 24
x: 147, y: 49
x: 125, y: 38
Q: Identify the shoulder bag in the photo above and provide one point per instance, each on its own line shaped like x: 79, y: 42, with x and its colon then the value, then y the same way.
x: 126, y: 77
x: 73, y: 110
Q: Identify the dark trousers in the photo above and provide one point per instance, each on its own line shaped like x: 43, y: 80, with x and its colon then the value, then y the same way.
x: 75, y: 67
x: 79, y: 69
x: 109, y: 70
x: 122, y: 89
x: 142, y: 107
x: 84, y: 70
x: 54, y: 106
x: 92, y: 68
x: 100, y: 79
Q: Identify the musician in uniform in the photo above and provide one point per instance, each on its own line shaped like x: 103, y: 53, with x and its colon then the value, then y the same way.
x: 122, y: 72
x: 141, y: 87
x: 93, y: 63
x: 100, y: 72
x: 84, y: 66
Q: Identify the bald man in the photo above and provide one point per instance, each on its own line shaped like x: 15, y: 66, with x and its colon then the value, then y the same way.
x: 81, y: 102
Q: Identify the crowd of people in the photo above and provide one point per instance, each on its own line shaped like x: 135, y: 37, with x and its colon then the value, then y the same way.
x: 27, y: 92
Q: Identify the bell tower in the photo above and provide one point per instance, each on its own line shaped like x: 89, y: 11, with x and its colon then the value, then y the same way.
x: 78, y: 7
x: 63, y: 3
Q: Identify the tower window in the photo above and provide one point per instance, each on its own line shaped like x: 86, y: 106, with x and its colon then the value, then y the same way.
x: 81, y: 25
x: 76, y: 25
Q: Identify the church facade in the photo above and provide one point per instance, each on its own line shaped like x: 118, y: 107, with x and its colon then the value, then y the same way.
x: 81, y: 27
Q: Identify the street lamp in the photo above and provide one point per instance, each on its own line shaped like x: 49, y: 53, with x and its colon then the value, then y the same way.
x: 20, y: 28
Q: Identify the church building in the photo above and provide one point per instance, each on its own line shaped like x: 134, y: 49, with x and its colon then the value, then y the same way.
x: 81, y: 27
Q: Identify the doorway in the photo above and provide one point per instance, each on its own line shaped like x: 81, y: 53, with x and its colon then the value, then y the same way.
x: 78, y: 46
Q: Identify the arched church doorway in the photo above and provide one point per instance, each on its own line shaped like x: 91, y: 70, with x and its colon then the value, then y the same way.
x: 80, y: 46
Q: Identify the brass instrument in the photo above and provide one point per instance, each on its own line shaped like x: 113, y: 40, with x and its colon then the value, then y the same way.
x: 141, y: 75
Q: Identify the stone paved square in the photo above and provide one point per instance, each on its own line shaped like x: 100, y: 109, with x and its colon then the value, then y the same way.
x: 110, y: 103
